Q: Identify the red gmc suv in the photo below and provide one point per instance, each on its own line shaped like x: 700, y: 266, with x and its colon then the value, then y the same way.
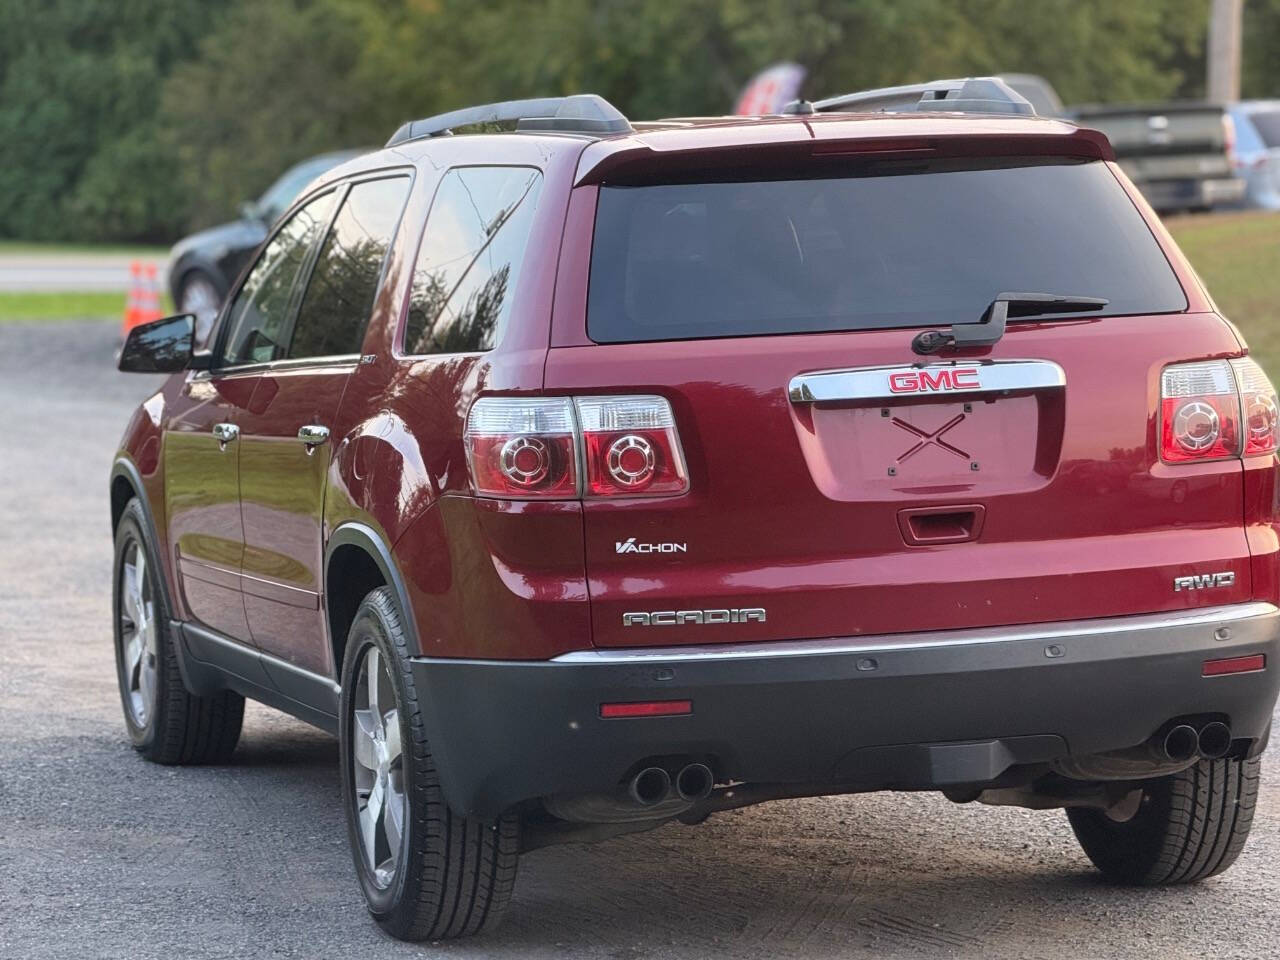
x: 591, y: 475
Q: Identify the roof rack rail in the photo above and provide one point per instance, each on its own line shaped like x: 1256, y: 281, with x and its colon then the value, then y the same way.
x: 580, y: 113
x: 962, y: 95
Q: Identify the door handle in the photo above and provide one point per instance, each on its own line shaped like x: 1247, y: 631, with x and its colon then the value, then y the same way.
x: 313, y: 435
x: 225, y: 433
x: 924, y: 526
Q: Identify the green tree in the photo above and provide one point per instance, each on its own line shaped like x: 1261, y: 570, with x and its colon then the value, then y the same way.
x: 280, y: 79
x: 271, y: 86
x: 1261, y: 73
x: 134, y: 119
x: 79, y: 86
x: 657, y: 58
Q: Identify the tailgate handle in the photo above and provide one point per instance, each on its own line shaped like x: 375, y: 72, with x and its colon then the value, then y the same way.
x: 954, y: 523
x: 908, y: 382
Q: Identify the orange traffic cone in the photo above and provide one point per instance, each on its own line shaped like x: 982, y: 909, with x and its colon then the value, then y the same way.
x: 150, y: 303
x: 143, y: 304
x: 132, y: 303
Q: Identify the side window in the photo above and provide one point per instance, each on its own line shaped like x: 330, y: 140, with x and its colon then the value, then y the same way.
x: 1247, y: 138
x: 344, y: 282
x: 258, y: 318
x: 469, y: 261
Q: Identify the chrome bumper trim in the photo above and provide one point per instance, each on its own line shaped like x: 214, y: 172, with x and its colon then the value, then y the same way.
x: 1209, y: 617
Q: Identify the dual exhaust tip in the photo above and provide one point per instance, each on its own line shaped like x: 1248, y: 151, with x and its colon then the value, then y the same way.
x: 691, y: 783
x: 695, y: 781
x: 1184, y: 742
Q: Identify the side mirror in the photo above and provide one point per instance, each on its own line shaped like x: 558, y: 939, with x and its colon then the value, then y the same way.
x: 162, y: 346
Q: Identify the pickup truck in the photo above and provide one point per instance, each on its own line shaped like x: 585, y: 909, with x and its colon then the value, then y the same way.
x: 1178, y: 153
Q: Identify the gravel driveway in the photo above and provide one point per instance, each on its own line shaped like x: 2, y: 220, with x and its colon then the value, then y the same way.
x: 103, y: 855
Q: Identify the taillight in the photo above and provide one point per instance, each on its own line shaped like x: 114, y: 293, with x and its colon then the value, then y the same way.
x: 1200, y: 412
x: 1258, y: 401
x: 560, y: 448
x: 631, y: 447
x: 1216, y: 410
x: 522, y: 448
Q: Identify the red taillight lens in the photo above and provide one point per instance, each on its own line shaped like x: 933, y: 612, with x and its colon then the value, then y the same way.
x: 1199, y: 412
x: 1217, y: 409
x: 528, y: 448
x: 522, y: 448
x: 648, y: 708
x: 631, y: 447
x: 1258, y: 403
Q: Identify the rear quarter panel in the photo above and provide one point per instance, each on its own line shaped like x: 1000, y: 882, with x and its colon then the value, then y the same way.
x: 485, y: 578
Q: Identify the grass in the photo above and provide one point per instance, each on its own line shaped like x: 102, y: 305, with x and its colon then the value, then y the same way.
x: 30, y: 248
x: 34, y: 307
x: 1238, y: 257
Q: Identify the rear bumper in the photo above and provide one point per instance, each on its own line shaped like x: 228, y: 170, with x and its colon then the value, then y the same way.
x: 1182, y: 194
x: 911, y: 711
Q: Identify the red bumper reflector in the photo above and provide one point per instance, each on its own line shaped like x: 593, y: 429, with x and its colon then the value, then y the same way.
x: 646, y: 708
x: 1249, y: 664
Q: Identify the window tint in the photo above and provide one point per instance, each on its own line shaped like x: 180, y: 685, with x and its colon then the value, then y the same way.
x: 934, y: 245
x: 470, y: 257
x: 259, y: 316
x: 1267, y: 123
x: 1248, y: 139
x: 344, y: 282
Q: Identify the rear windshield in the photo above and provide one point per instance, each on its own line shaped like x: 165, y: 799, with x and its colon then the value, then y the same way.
x: 897, y: 248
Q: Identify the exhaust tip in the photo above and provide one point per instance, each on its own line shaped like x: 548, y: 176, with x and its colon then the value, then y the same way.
x: 651, y: 785
x: 694, y: 781
x: 1215, y: 740
x: 1181, y: 743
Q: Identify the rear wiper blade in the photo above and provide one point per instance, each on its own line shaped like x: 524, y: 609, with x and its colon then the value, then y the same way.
x: 990, y: 327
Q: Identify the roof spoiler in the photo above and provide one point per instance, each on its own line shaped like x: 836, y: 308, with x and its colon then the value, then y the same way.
x: 580, y: 113
x: 989, y: 95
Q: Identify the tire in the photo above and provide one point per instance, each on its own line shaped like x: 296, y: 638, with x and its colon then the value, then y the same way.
x: 1190, y: 826
x: 166, y: 722
x: 445, y: 876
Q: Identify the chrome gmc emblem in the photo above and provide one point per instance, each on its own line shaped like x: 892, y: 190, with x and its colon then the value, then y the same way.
x: 936, y: 380
x: 926, y: 380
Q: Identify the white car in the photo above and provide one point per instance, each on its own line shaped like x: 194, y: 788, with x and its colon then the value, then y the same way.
x: 1257, y: 151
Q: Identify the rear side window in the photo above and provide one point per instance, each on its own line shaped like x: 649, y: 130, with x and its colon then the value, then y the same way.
x: 344, y: 281
x: 470, y: 257
x: 1267, y: 123
x: 934, y: 243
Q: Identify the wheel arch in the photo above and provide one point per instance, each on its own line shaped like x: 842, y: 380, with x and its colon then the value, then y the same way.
x: 126, y: 485
x: 357, y: 560
x: 185, y: 267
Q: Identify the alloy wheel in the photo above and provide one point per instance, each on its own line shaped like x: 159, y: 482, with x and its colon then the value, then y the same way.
x: 378, y: 769
x: 139, y: 635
